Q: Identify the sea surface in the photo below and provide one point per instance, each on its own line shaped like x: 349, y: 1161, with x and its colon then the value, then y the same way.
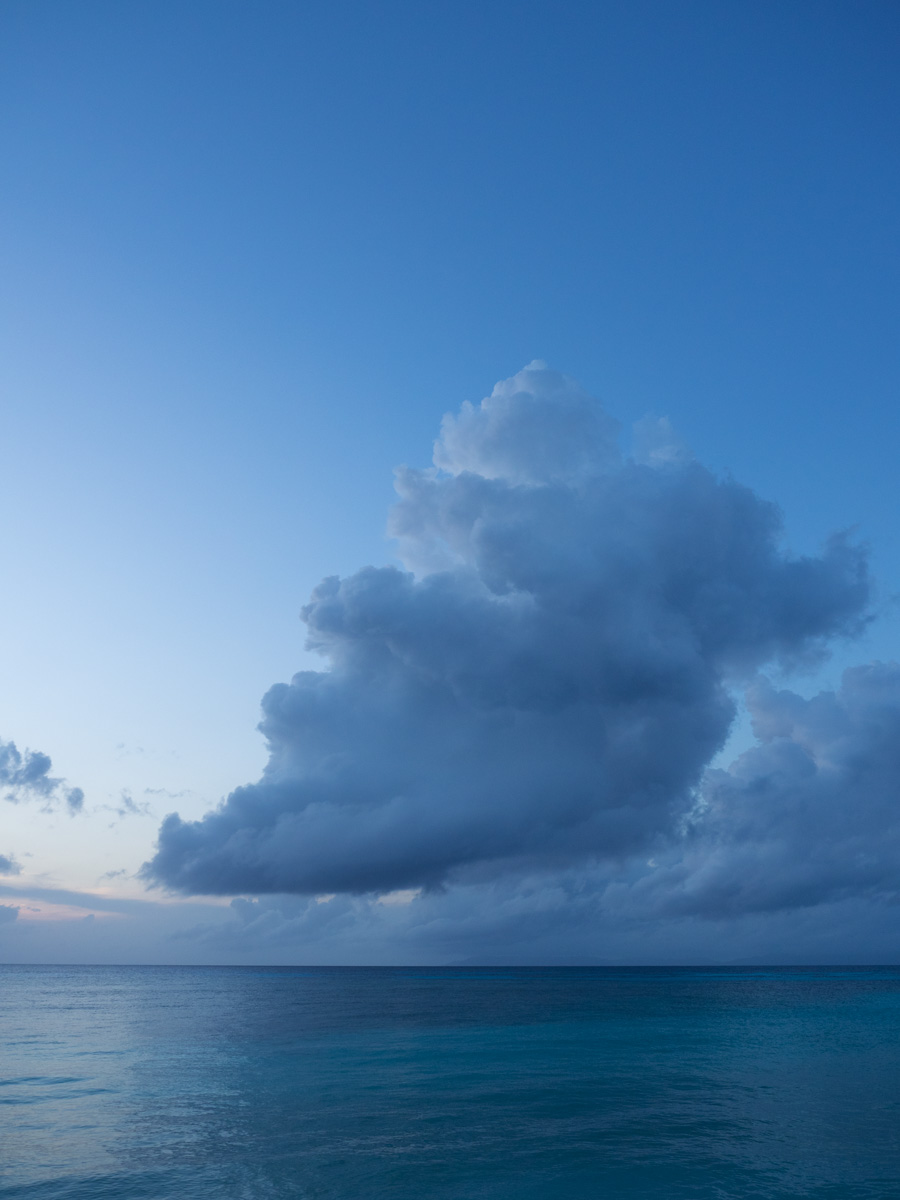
x: 188, y: 1083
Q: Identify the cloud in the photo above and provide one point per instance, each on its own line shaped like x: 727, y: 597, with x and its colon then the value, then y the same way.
x: 569, y: 916
x: 543, y: 685
x: 538, y: 427
x: 8, y: 912
x: 9, y: 866
x: 128, y: 806
x: 26, y: 776
x: 809, y: 816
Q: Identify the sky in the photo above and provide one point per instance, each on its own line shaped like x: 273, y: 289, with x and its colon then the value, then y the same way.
x: 450, y: 482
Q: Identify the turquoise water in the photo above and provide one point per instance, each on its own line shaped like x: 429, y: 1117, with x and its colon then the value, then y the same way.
x: 345, y: 1084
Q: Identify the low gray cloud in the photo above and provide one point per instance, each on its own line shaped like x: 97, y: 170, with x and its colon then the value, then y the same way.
x: 9, y: 866
x: 25, y: 775
x: 575, y: 915
x: 543, y: 685
x: 811, y: 815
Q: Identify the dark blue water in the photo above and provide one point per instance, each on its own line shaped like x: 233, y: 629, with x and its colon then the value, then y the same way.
x: 342, y: 1084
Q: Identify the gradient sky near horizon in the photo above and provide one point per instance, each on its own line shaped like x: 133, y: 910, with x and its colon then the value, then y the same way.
x: 253, y: 253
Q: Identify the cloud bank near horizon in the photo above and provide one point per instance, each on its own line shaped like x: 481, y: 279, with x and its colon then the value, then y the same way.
x: 528, y: 710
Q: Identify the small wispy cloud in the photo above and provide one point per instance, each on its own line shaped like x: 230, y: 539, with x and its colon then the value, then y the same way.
x: 129, y: 807
x: 25, y: 775
x: 126, y: 806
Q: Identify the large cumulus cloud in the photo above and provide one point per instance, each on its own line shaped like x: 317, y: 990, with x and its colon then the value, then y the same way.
x: 544, y: 683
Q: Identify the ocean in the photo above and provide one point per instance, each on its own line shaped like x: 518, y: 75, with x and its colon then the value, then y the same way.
x: 232, y: 1083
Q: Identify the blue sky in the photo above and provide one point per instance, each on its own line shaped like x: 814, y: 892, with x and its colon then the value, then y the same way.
x: 252, y: 254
